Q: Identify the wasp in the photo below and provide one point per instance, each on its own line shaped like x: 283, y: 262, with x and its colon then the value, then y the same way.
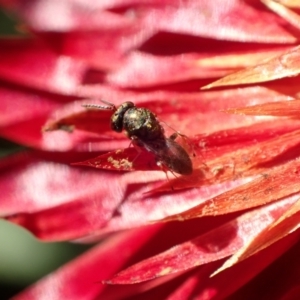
x: 144, y: 129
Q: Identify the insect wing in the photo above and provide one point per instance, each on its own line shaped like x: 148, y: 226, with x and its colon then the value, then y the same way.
x: 171, y: 154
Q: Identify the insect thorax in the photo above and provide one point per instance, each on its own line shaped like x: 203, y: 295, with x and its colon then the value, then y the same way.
x: 143, y: 124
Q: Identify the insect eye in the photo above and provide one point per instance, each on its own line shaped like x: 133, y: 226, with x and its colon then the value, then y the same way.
x: 116, y: 122
x: 117, y: 118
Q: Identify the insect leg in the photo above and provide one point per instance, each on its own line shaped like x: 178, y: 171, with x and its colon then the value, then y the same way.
x: 134, y: 142
x: 165, y: 170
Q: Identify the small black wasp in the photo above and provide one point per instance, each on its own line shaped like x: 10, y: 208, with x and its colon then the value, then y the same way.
x: 144, y: 130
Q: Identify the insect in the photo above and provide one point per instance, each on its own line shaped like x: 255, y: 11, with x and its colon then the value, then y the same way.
x: 144, y: 130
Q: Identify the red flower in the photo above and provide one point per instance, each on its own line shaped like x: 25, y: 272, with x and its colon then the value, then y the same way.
x: 243, y: 136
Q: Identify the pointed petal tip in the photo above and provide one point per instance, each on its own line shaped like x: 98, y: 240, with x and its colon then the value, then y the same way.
x: 177, y: 217
x: 206, y: 87
x: 57, y: 126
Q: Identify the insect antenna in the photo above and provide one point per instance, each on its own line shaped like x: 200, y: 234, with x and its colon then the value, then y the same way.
x: 109, y: 106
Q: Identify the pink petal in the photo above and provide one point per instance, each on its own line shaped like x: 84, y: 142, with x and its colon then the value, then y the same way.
x: 31, y: 63
x: 143, y: 70
x: 233, y: 21
x: 193, y: 112
x: 97, y: 203
x: 192, y: 17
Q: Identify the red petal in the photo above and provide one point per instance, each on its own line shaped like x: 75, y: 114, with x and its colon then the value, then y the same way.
x: 285, y: 65
x: 286, y: 264
x: 22, y: 111
x: 212, y: 145
x: 122, y: 160
x: 214, y: 245
x: 18, y: 105
x: 189, y: 112
x: 282, y: 108
x: 284, y: 225
x: 224, y: 284
x: 81, y: 279
x: 222, y: 162
x: 292, y: 294
x: 265, y: 189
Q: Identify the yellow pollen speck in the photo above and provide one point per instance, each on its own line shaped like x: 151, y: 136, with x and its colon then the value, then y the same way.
x: 97, y: 163
x: 165, y: 271
x: 120, y: 164
x: 126, y: 164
